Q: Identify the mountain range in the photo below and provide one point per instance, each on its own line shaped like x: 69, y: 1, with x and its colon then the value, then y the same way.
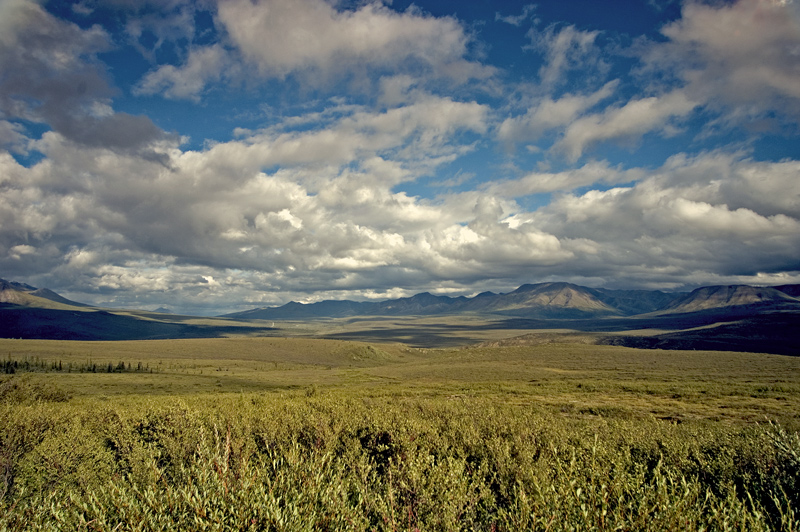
x: 735, y: 317
x: 549, y: 301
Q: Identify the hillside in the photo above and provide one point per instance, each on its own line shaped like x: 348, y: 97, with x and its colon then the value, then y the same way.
x: 27, y: 296
x: 28, y: 312
x: 731, y: 297
x: 790, y: 289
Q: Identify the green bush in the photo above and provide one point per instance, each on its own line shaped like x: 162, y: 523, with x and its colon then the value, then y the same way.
x: 348, y: 462
x: 27, y: 388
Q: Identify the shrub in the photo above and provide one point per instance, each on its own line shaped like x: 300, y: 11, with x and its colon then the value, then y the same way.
x: 344, y: 462
x: 27, y: 389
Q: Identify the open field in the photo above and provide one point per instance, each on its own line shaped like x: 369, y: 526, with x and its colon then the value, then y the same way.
x: 313, y: 434
x: 639, y: 382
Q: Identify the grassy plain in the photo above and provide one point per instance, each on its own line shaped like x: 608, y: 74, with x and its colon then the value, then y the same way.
x: 312, y: 434
x: 578, y: 378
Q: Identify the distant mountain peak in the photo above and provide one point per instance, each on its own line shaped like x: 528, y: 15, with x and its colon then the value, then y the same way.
x: 426, y: 298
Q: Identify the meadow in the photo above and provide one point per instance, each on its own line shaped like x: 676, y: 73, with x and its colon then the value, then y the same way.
x: 313, y: 434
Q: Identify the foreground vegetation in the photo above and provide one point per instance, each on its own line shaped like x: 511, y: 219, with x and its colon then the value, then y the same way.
x: 301, y: 435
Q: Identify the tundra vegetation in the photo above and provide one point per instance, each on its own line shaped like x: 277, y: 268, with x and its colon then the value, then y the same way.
x: 301, y: 434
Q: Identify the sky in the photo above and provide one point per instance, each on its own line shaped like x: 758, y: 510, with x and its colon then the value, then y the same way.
x: 213, y: 156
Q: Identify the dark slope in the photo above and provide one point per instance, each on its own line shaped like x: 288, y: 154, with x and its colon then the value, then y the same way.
x: 774, y: 333
x: 790, y: 289
x: 54, y: 324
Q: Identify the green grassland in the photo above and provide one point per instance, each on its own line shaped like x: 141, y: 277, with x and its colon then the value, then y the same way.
x: 313, y: 434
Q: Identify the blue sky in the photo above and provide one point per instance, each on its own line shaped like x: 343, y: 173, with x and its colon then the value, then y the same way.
x: 213, y: 156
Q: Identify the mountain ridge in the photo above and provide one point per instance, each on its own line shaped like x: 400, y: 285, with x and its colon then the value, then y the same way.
x: 722, y: 296
x: 561, y: 300
x: 544, y: 300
